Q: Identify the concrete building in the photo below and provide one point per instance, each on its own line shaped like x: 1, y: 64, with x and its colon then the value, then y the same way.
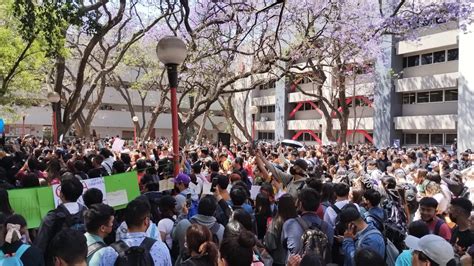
x: 113, y: 118
x: 422, y: 94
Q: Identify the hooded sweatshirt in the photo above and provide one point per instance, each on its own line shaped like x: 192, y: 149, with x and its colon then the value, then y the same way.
x: 179, y: 232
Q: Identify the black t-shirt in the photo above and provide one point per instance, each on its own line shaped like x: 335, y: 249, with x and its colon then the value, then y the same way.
x: 97, y: 172
x: 463, y: 239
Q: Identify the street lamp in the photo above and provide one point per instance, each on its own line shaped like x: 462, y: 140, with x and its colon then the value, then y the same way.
x: 23, y: 118
x: 254, y: 112
x: 135, y: 120
x: 172, y: 51
x: 54, y: 98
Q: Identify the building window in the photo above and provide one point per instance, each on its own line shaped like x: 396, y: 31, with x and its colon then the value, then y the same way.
x: 423, y: 138
x: 410, y: 139
x: 267, y: 109
x: 427, y: 59
x: 451, y: 95
x: 409, y: 98
x: 436, y: 139
x: 439, y: 57
x: 266, y: 135
x: 436, y: 96
x: 453, y: 54
x: 405, y: 62
x: 422, y: 97
x: 450, y: 138
x: 307, y: 107
x: 413, y: 61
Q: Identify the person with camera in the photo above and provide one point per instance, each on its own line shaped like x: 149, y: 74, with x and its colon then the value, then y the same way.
x: 219, y: 188
x: 358, y: 234
x: 293, y: 181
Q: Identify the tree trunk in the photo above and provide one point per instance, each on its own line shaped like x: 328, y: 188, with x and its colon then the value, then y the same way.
x: 202, y: 125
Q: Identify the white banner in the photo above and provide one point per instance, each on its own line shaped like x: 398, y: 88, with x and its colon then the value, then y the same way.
x: 88, y: 183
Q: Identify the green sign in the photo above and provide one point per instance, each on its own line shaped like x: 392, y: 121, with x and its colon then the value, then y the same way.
x: 35, y: 203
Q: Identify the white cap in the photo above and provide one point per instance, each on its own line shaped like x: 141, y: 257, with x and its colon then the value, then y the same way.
x: 435, y: 247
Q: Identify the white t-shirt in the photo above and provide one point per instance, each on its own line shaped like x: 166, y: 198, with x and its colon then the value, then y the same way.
x: 152, y: 232
x: 166, y: 226
x: 443, y: 202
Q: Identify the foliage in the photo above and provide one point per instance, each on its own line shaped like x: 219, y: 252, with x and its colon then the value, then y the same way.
x: 21, y: 63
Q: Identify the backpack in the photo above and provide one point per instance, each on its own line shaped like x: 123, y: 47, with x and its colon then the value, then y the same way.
x: 134, y: 256
x: 438, y: 225
x: 64, y: 219
x: 395, y: 224
x: 391, y: 251
x: 390, y: 233
x: 93, y: 248
x: 214, y: 229
x: 314, y: 240
x: 8, y: 260
x: 410, y: 197
x: 174, y: 249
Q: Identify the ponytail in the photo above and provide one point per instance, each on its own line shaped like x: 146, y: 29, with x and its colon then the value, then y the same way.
x: 209, y: 250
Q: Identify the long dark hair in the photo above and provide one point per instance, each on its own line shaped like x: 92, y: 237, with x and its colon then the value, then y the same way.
x: 5, y: 206
x: 199, y: 240
x: 262, y: 205
x: 286, y: 210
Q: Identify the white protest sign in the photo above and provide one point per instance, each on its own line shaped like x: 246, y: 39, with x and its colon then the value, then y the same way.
x: 117, y: 198
x: 206, y: 188
x: 166, y: 184
x: 118, y: 145
x: 88, y: 183
x: 254, y: 192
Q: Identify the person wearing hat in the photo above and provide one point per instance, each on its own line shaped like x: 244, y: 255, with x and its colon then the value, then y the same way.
x: 430, y: 250
x: 293, y: 181
x: 358, y: 234
x: 181, y: 186
x: 464, y: 162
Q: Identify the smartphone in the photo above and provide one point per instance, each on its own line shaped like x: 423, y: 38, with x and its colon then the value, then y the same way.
x: 214, y: 184
x: 188, y: 201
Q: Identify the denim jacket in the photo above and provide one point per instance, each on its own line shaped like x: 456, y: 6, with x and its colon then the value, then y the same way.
x: 370, y: 237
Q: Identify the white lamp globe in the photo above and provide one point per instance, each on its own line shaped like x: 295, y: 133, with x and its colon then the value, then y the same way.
x: 171, y: 50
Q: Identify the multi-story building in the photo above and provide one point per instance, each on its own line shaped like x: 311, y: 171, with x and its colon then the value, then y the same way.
x: 422, y: 94
x: 113, y: 117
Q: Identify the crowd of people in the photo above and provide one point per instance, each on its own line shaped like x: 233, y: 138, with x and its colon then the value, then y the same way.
x: 268, y: 204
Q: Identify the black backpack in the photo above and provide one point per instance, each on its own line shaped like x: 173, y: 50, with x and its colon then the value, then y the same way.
x: 93, y: 248
x: 314, y: 240
x: 134, y: 256
x: 64, y: 219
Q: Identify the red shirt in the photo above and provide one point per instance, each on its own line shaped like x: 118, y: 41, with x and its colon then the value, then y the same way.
x: 320, y: 212
x: 444, y: 230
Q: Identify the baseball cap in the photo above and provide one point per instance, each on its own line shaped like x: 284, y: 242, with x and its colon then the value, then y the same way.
x: 435, y: 247
x: 301, y: 163
x: 182, y: 178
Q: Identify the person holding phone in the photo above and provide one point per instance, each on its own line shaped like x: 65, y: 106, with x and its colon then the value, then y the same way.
x: 358, y: 234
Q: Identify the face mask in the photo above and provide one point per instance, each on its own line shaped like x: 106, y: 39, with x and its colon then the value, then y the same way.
x: 292, y: 171
x: 453, y: 219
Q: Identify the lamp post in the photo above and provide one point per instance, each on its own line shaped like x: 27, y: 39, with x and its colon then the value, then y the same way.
x: 172, y: 51
x: 54, y: 98
x: 135, y: 120
x: 254, y: 112
x: 23, y: 117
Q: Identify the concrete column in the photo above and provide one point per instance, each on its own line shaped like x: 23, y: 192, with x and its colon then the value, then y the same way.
x: 466, y: 91
x: 387, y: 102
x: 281, y: 110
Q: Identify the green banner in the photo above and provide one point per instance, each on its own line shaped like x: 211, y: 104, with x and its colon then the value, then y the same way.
x: 35, y: 203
